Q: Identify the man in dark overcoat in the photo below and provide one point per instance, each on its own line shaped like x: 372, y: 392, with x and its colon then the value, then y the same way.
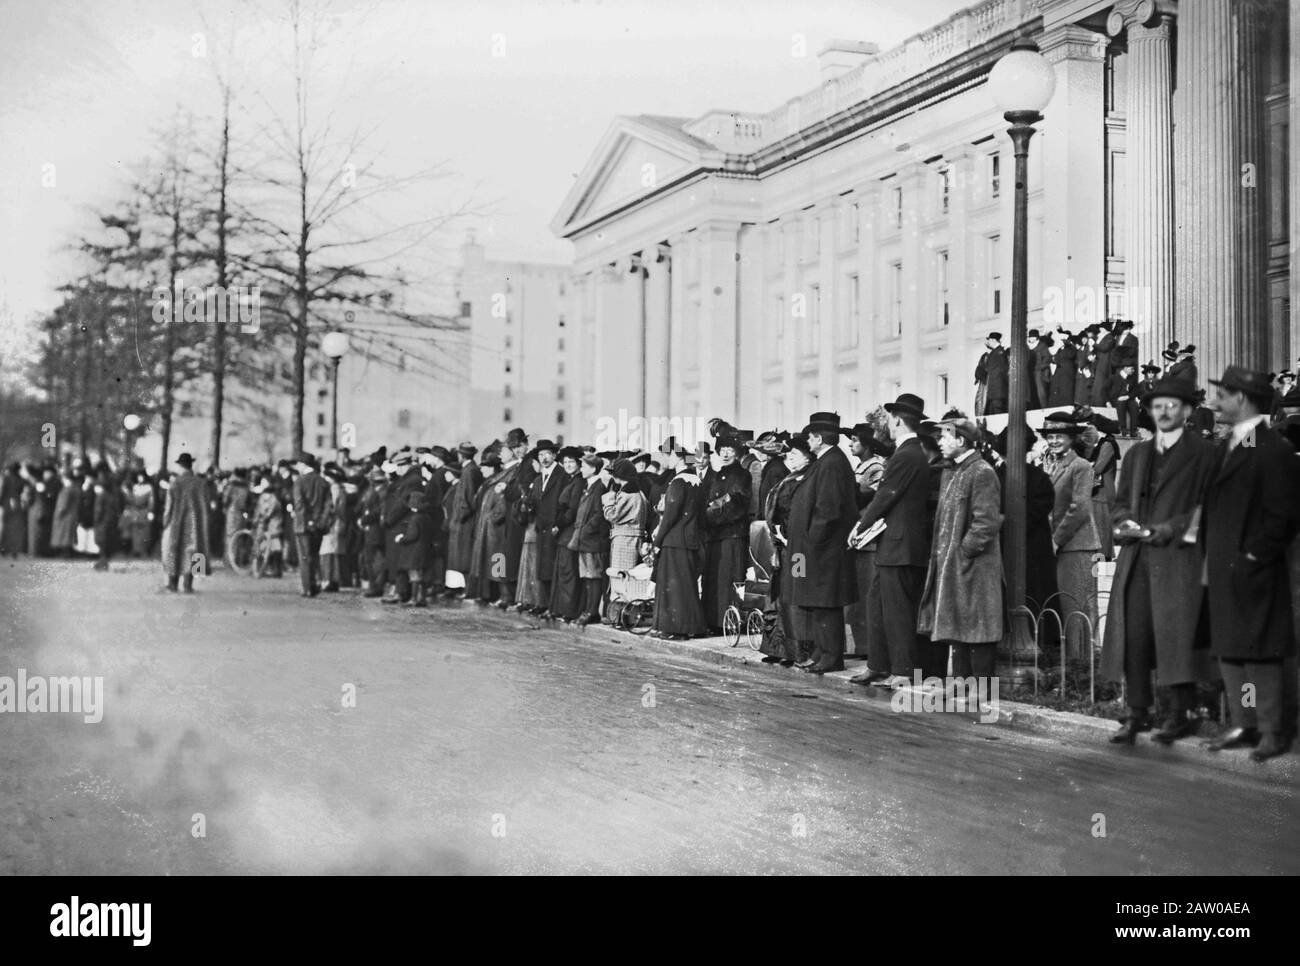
x: 1156, y: 593
x: 544, y: 496
x: 313, y: 515
x: 893, y: 599
x: 1250, y: 515
x: 460, y: 525
x: 185, y: 546
x: 822, y: 515
x: 991, y: 375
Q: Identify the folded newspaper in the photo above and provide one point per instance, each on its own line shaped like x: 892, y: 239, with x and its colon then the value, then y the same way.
x: 859, y: 539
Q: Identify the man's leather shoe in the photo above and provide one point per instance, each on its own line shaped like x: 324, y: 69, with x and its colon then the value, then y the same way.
x: 1270, y: 746
x: 868, y: 677
x: 814, y: 669
x: 1128, y: 731
x: 1234, y: 738
x: 1173, y: 729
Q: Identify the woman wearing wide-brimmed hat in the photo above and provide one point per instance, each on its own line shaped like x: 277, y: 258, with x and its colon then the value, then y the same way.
x: 676, y: 538
x: 1074, y: 531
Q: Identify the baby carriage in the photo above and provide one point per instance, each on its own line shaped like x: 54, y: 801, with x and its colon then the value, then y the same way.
x: 632, y: 597
x: 752, y: 616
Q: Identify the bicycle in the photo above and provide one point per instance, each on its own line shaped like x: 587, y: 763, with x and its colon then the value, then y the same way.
x: 247, y: 554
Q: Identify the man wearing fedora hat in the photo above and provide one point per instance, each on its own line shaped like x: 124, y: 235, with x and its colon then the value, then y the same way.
x: 894, y: 595
x: 1155, y: 597
x: 544, y: 498
x: 991, y: 374
x: 1250, y: 517
x: 1074, y: 530
x: 822, y: 514
x: 185, y: 527
x: 1184, y: 367
x: 460, y: 525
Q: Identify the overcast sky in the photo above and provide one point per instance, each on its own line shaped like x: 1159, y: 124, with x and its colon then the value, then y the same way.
x: 513, y: 95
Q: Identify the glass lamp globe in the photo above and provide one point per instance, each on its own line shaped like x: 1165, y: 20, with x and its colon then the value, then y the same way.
x: 334, y: 345
x: 1022, y: 80
x: 131, y: 422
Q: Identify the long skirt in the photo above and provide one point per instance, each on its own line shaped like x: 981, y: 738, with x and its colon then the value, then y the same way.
x: 855, y: 615
x: 527, y: 593
x: 1078, y: 597
x: 566, y: 597
x: 13, y: 538
x: 677, y: 597
x: 724, y: 566
x: 786, y: 644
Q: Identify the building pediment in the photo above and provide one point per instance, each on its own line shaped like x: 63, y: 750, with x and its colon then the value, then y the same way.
x: 637, y: 157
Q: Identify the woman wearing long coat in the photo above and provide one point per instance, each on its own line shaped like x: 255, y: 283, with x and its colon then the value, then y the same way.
x: 460, y: 521
x: 566, y: 597
x: 137, y: 518
x: 961, y: 603
x: 63, y: 532
x: 678, y: 611
x: 14, y: 496
x: 590, y: 540
x: 108, y: 515
x: 792, y: 644
x: 525, y: 511
x: 478, y: 582
x: 1074, y: 532
x: 185, y: 527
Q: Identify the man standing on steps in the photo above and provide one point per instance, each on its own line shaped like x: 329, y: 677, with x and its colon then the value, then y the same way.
x: 1156, y: 594
x: 313, y: 515
x: 185, y: 527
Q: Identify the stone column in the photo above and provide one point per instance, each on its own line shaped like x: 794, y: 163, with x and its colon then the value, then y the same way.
x: 606, y: 356
x: 912, y: 178
x: 868, y: 216
x: 827, y: 370
x: 1254, y: 341
x: 961, y: 366
x: 718, y: 252
x: 1208, y: 178
x: 658, y: 263
x: 676, y: 303
x: 790, y: 327
x: 1293, y: 158
x: 1148, y: 210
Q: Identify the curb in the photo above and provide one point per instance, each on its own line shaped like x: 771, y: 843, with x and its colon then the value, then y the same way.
x: 1014, y: 715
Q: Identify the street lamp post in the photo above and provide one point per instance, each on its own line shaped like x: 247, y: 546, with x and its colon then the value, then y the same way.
x: 130, y: 423
x: 1021, y: 83
x: 334, y: 345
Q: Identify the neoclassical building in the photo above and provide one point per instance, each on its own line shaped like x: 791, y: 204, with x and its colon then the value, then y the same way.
x: 856, y: 241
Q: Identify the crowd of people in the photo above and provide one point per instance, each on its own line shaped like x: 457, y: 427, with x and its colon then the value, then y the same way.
x: 890, y: 529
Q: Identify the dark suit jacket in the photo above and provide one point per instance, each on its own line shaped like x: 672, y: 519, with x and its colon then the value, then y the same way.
x: 313, y: 507
x: 822, y: 514
x: 726, y: 515
x: 901, y: 502
x: 545, y: 502
x: 992, y: 370
x: 1251, y: 507
x: 591, y: 529
x: 1060, y: 384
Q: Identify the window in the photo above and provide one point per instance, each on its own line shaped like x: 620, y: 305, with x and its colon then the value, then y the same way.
x: 320, y: 419
x: 855, y: 311
x: 509, y: 342
x: 559, y: 417
x: 401, y: 361
x: 561, y: 318
x: 855, y: 223
x: 403, y: 419
x: 995, y: 174
x: 560, y: 345
x: 464, y: 310
x: 559, y: 368
x: 323, y: 394
x: 995, y: 275
x: 945, y: 189
x: 942, y: 269
x: 186, y: 409
x: 943, y: 389
x: 508, y: 365
x: 320, y: 442
x: 817, y: 237
x: 506, y: 415
x: 559, y: 392
x: 896, y: 214
x: 814, y: 319
x: 313, y: 373
x: 509, y: 318
x: 896, y: 297
x: 507, y: 390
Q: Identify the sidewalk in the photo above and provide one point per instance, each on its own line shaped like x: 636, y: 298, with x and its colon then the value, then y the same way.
x: 1011, y: 714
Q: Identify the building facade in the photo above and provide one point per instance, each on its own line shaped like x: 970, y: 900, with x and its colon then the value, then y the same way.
x: 857, y: 241
x: 517, y: 318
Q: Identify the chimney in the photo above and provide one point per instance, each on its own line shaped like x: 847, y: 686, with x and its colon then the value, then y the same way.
x: 841, y: 56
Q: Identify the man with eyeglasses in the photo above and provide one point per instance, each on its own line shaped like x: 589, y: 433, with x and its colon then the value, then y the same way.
x: 1156, y: 595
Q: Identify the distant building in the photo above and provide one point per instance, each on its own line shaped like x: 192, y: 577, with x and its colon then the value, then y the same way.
x: 857, y: 240
x: 517, y: 317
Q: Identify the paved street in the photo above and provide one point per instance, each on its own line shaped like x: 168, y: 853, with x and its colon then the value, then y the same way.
x: 480, y: 744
